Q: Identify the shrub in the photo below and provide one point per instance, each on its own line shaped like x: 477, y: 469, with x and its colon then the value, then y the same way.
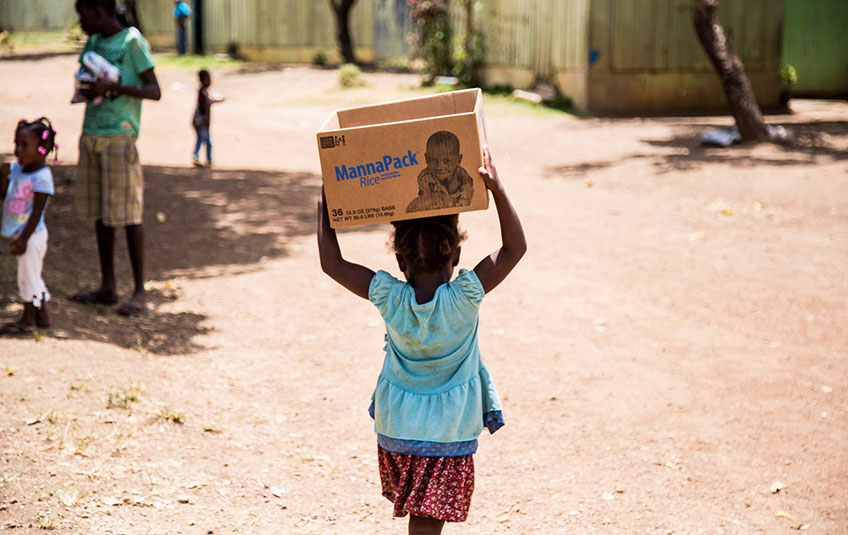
x: 319, y: 59
x: 350, y: 76
x: 443, y: 50
x: 434, y: 37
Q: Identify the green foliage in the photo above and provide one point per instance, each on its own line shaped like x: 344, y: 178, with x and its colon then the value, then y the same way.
x: 503, y: 94
x: 501, y: 90
x: 433, y: 40
x: 350, y: 76
x: 6, y: 44
x: 74, y: 34
x: 467, y: 60
x: 469, y: 52
x: 444, y: 50
x: 320, y: 59
x: 193, y: 62
x: 124, y: 398
x: 788, y: 76
x: 168, y: 414
x: 561, y: 103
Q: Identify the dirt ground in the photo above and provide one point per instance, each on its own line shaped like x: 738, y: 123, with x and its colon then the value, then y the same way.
x: 671, y: 352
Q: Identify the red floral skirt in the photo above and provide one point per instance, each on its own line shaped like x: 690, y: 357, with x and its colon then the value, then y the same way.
x: 438, y: 487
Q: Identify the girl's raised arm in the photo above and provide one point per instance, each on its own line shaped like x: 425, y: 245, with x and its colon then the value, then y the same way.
x: 352, y: 276
x: 493, y: 269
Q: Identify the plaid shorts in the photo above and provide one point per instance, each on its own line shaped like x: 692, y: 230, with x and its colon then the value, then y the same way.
x: 110, y: 184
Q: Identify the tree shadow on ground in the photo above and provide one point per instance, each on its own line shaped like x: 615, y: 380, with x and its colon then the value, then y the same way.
x: 198, y: 223
x: 810, y: 141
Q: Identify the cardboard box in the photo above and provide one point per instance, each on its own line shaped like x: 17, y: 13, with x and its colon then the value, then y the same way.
x: 404, y: 160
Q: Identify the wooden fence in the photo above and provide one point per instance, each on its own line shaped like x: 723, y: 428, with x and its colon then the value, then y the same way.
x: 273, y: 30
x: 30, y: 15
x: 612, y: 55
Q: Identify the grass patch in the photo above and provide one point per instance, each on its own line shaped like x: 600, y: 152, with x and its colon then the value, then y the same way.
x: 500, y: 98
x: 120, y: 435
x: 139, y: 346
x: 51, y: 40
x: 49, y: 520
x: 67, y: 438
x: 193, y: 62
x: 51, y: 416
x: 170, y: 415
x: 70, y: 495
x: 124, y: 398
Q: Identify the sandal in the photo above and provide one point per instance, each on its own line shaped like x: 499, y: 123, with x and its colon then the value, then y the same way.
x: 128, y: 308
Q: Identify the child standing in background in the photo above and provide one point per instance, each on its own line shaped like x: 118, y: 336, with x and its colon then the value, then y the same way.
x: 434, y: 394
x: 203, y: 117
x: 110, y: 180
x: 25, y: 187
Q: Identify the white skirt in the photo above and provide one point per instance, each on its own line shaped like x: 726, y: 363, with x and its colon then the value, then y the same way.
x: 30, y: 284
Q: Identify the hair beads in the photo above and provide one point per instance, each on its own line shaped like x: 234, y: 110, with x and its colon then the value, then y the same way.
x: 44, y: 129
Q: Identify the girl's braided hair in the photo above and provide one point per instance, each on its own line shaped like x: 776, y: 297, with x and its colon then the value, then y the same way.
x: 428, y: 244
x: 44, y: 132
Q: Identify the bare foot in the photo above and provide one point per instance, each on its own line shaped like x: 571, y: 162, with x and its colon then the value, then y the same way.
x: 27, y: 320
x: 42, y: 318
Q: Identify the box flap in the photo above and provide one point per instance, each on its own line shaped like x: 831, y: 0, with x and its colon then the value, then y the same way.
x: 464, y: 101
x: 332, y: 123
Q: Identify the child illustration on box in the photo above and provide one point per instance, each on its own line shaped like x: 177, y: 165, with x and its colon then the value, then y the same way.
x: 443, y: 183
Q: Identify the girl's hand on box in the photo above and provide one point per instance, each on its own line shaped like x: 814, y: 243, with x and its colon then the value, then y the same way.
x: 488, y: 171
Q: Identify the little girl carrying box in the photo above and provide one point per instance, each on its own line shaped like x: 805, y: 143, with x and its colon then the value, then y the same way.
x: 434, y: 394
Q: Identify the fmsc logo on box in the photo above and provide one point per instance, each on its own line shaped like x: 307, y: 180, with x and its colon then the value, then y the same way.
x: 329, y: 142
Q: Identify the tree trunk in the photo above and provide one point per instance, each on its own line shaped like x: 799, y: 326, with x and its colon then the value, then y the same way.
x: 740, y: 96
x: 341, y: 8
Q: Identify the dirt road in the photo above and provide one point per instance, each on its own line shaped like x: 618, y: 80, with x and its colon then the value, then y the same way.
x: 671, y: 352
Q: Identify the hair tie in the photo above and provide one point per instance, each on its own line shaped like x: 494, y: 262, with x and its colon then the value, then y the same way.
x: 45, y: 135
x: 42, y: 150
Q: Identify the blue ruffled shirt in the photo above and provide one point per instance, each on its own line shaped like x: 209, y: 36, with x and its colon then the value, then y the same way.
x: 434, y: 394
